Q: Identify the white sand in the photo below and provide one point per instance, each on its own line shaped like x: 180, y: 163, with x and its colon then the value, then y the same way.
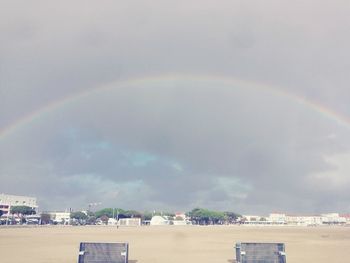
x: 172, y: 244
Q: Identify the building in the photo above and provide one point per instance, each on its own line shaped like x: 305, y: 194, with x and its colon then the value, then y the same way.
x: 180, y: 215
x: 304, y: 220
x: 253, y: 220
x: 129, y: 221
x: 112, y: 222
x: 333, y: 219
x: 60, y: 217
x: 347, y: 218
x: 6, y: 201
x: 277, y: 219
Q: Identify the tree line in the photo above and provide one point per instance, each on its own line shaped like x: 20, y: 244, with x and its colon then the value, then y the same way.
x: 198, y: 216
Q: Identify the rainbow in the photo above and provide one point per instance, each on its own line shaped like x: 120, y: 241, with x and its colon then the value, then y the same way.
x: 35, y: 115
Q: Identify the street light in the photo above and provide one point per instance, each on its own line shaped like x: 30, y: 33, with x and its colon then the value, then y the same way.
x: 93, y: 204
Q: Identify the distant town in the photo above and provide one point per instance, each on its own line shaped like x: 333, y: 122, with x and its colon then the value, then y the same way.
x: 23, y: 210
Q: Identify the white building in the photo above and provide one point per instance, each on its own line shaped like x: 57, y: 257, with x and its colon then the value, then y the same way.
x: 129, y: 221
x: 333, y: 219
x: 253, y: 220
x: 6, y: 201
x: 60, y: 217
x: 307, y: 220
x: 297, y: 220
x: 304, y: 220
x: 181, y: 219
x: 277, y: 219
x: 347, y: 218
x: 112, y: 222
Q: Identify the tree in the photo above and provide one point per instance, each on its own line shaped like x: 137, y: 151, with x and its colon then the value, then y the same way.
x: 216, y: 217
x: 89, y: 214
x: 200, y: 216
x: 78, y: 215
x: 132, y: 213
x: 104, y: 219
x: 91, y: 220
x: 110, y: 212
x: 206, y: 217
x: 45, y: 218
x: 104, y: 212
x: 147, y: 215
x: 231, y: 217
x: 22, y: 209
x: 79, y: 218
x: 118, y: 212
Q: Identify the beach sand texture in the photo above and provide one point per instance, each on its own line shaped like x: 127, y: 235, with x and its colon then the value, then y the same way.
x: 173, y: 244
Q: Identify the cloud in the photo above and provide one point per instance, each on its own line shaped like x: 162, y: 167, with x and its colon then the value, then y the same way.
x: 176, y: 143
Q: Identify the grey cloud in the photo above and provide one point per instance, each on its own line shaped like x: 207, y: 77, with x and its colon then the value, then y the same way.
x: 263, y: 145
x: 210, y: 133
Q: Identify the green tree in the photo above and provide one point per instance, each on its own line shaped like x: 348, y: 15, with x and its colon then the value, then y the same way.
x: 104, y: 212
x: 78, y: 215
x: 24, y: 210
x: 217, y: 217
x: 200, y: 216
x: 110, y: 212
x: 231, y: 217
x: 203, y: 216
x: 147, y: 215
x: 118, y: 212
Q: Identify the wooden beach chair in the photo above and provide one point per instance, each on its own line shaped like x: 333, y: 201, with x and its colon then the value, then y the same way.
x: 260, y: 253
x: 103, y: 252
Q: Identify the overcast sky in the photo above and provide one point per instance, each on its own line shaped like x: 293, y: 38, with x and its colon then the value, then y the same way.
x: 212, y: 121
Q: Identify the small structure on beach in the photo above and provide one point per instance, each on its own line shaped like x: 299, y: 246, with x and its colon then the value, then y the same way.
x: 159, y: 221
x: 129, y: 221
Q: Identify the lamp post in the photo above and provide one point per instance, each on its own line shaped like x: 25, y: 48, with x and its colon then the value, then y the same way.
x: 8, y: 214
x: 93, y: 204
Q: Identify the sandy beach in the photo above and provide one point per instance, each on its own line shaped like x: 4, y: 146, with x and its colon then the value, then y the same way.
x: 173, y: 244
